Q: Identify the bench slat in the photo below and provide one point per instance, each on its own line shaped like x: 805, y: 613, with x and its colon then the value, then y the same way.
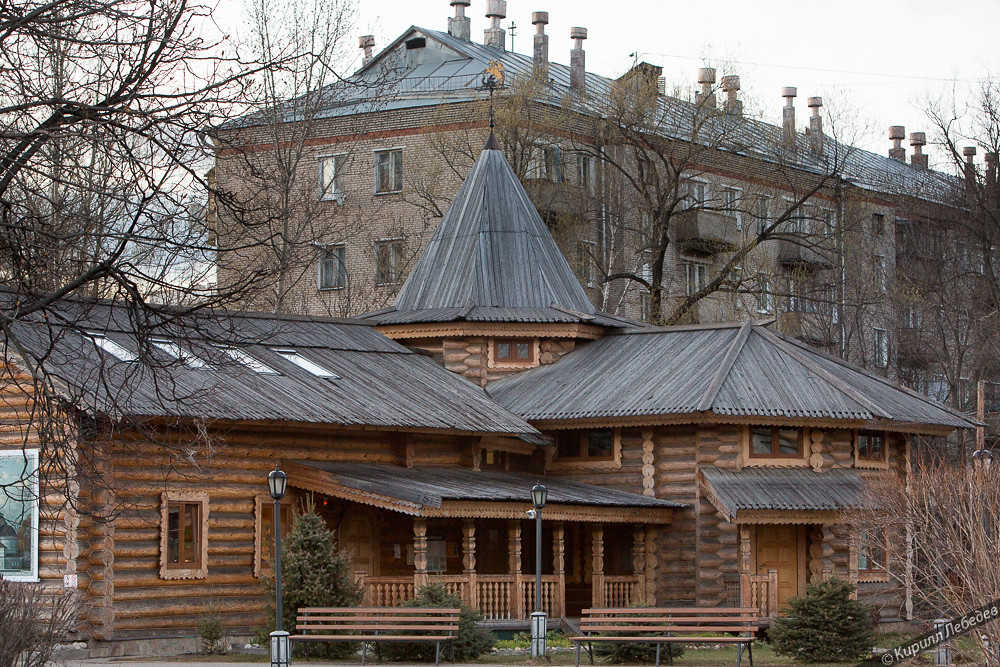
x: 674, y: 628
x: 426, y: 611
x: 375, y: 628
x: 655, y: 640
x: 368, y: 638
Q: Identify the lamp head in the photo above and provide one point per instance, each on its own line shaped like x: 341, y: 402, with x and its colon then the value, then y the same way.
x: 277, y: 481
x: 539, y: 496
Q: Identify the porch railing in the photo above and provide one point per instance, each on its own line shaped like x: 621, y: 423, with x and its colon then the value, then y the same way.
x: 551, y: 595
x: 620, y: 590
x: 761, y: 592
x: 386, y: 591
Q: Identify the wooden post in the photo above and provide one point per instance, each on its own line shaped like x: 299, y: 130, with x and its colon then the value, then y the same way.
x: 638, y: 564
x: 514, y: 568
x: 652, y: 565
x: 772, y: 593
x: 469, y: 561
x: 746, y: 595
x: 559, y: 568
x: 597, y: 567
x: 852, y: 562
x: 419, y: 552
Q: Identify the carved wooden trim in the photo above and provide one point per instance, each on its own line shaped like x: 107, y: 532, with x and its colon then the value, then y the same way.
x: 259, y: 570
x: 504, y: 329
x: 166, y: 498
x: 786, y: 516
x: 648, y: 464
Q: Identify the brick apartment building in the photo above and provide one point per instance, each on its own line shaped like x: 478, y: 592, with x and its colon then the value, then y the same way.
x: 384, y: 152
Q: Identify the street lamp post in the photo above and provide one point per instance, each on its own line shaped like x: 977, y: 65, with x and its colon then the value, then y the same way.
x: 277, y: 482
x: 539, y: 496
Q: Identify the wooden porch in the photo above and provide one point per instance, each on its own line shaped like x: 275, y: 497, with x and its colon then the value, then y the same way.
x: 511, y: 596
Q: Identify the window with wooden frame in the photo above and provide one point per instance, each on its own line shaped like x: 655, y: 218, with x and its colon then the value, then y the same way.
x: 776, y: 442
x: 263, y: 564
x: 184, y: 535
x: 871, y: 555
x: 871, y: 447
x: 586, y: 445
x: 513, y: 350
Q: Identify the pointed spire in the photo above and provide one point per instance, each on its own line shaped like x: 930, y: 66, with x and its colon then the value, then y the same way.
x: 491, y: 251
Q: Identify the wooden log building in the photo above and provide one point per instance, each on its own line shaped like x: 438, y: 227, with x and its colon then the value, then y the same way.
x: 706, y: 465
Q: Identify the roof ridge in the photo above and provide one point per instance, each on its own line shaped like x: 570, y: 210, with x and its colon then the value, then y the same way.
x: 739, y: 341
x: 803, y: 358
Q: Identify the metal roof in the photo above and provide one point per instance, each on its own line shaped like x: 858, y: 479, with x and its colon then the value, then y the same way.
x: 450, y: 70
x: 789, y: 489
x: 378, y: 382
x: 491, y: 258
x: 731, y: 370
x: 429, y: 486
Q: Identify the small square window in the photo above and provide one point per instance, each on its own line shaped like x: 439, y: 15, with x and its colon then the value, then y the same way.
x: 871, y: 446
x: 776, y: 442
x: 514, y: 350
x: 333, y: 267
x: 600, y: 444
x: 586, y: 445
x: 871, y: 553
x: 388, y: 171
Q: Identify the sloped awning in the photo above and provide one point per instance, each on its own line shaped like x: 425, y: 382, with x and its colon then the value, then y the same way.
x: 782, y: 495
x: 429, y: 491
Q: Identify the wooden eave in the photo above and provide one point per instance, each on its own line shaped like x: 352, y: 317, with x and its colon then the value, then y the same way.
x: 313, y: 479
x: 491, y: 329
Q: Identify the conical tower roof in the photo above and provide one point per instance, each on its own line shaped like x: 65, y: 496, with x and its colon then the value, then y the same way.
x: 492, y: 259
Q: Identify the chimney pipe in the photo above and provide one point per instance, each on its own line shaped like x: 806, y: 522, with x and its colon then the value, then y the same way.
x: 991, y: 170
x: 897, y: 133
x: 731, y: 86
x: 459, y: 26
x: 367, y: 42
x: 788, y: 116
x: 578, y: 60
x: 541, y: 52
x: 816, y: 125
x: 918, y: 140
x: 706, y: 79
x: 970, y: 166
x: 496, y: 10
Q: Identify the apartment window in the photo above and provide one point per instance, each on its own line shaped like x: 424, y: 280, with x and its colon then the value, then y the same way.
x: 19, y: 515
x: 826, y: 222
x: 585, y: 172
x: 697, y: 192
x: 881, y: 348
x: 731, y: 199
x: 388, y: 171
x: 913, y: 317
x: 111, y: 347
x: 295, y: 357
x: 695, y: 277
x: 871, y: 446
x: 514, y: 350
x: 871, y: 553
x: 794, y: 300
x: 765, y: 299
x: 587, y: 255
x: 881, y: 279
x: 775, y: 442
x: 878, y: 224
x: 937, y: 388
x: 183, y: 527
x: 586, y: 445
x: 763, y: 212
x: 331, y: 177
x: 645, y: 307
x: 388, y: 261
x: 333, y: 267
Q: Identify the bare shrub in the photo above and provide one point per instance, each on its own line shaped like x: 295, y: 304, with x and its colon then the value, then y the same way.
x: 32, y: 620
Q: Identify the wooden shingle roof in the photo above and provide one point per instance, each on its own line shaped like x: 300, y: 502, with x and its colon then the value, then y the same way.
x: 726, y: 370
x: 492, y: 258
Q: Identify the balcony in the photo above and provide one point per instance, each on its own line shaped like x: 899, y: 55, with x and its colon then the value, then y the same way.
x: 803, y: 254
x: 912, y: 350
x: 816, y: 328
x: 706, y: 232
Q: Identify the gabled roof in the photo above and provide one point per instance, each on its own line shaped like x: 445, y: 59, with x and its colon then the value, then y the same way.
x: 378, y: 383
x: 785, y: 489
x: 728, y: 370
x: 492, y: 257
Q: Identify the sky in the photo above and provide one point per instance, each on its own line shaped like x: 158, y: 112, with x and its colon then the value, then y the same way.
x: 875, y: 62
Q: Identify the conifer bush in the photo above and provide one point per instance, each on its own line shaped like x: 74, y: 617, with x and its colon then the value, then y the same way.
x: 471, y: 641
x: 314, y: 573
x: 824, y: 625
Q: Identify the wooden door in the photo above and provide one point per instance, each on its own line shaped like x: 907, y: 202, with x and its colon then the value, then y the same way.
x: 780, y: 548
x: 357, y: 534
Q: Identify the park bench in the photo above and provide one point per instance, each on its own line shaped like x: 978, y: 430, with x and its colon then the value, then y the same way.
x: 633, y: 625
x: 371, y: 625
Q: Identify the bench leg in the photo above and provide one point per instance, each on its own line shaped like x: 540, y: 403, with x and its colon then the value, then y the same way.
x: 364, y: 651
x: 750, y: 651
x: 437, y: 654
x: 590, y: 652
x: 578, y: 645
x: 658, y: 645
x: 739, y: 654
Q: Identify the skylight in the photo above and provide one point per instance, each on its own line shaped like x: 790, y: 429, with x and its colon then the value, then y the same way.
x: 307, y: 365
x: 177, y: 352
x: 111, y: 347
x: 250, y: 362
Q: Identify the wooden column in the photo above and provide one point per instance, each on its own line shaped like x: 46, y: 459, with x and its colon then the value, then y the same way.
x: 514, y: 568
x: 559, y: 568
x: 638, y: 565
x: 597, y: 566
x: 852, y: 562
x: 745, y: 571
x: 469, y: 562
x: 652, y: 565
x: 419, y: 552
